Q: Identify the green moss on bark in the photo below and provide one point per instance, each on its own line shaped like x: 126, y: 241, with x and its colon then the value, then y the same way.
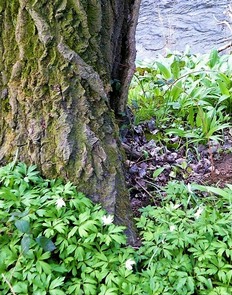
x: 56, y: 66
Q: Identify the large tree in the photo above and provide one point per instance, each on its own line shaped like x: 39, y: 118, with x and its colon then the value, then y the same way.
x: 65, y: 69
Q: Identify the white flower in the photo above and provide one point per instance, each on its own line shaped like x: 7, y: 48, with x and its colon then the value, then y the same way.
x: 198, y: 213
x: 106, y: 220
x: 172, y: 227
x: 60, y: 203
x: 129, y: 264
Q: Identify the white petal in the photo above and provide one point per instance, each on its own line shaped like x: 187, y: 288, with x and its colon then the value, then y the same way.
x: 60, y: 203
x: 172, y: 227
x: 106, y: 220
x: 129, y: 264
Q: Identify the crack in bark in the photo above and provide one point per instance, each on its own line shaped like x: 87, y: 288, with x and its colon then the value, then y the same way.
x: 85, y: 71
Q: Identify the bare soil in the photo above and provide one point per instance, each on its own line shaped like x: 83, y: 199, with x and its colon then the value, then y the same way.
x: 223, y: 171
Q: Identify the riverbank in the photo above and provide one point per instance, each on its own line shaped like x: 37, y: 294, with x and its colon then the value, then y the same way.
x: 174, y: 24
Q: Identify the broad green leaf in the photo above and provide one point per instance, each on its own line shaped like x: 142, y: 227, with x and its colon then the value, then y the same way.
x: 224, y: 78
x: 205, y: 280
x: 215, y: 190
x: 223, y: 87
x: 6, y: 193
x: 164, y: 71
x: 213, y: 58
x: 46, y: 243
x: 175, y: 67
x: 111, y: 291
x: 82, y: 231
x: 23, y: 226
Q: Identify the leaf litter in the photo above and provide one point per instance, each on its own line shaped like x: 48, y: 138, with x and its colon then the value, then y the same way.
x: 153, y: 159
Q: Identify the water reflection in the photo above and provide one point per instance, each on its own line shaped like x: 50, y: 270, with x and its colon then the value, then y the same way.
x: 175, y: 23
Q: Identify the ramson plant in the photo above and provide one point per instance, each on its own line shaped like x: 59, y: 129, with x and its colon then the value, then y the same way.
x: 188, y: 95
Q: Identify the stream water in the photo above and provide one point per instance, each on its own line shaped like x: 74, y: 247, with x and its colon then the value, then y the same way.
x: 173, y: 24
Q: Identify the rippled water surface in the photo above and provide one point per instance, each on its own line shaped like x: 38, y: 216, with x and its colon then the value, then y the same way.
x: 175, y: 23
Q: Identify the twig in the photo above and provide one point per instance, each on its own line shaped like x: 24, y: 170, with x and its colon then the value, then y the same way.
x: 8, y: 283
x: 211, y: 160
x: 146, y: 160
x: 146, y: 191
x: 229, y: 45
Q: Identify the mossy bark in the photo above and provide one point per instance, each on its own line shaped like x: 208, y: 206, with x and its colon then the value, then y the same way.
x: 58, y: 64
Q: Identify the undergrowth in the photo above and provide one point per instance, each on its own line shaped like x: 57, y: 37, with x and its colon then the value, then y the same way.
x: 187, y: 95
x: 55, y: 241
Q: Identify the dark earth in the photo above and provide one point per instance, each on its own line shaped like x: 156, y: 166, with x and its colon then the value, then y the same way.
x: 146, y: 153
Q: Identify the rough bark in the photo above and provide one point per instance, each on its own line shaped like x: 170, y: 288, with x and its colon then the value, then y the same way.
x: 65, y: 68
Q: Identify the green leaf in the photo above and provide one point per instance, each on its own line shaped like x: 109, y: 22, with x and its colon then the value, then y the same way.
x: 71, y: 248
x: 205, y: 281
x: 223, y: 88
x: 45, y: 256
x: 175, y: 67
x: 72, y: 232
x: 7, y: 194
x: 87, y: 226
x: 109, y: 291
x: 176, y: 90
x: 181, y: 283
x: 213, y: 58
x: 80, y: 253
x: 89, y: 289
x: 164, y: 71
x: 56, y: 292
x: 118, y: 238
x: 56, y: 283
x: 20, y: 288
x: 157, y: 172
x: 191, y: 284
x: 43, y: 267
x: 45, y: 243
x: 23, y: 226
x: 215, y: 190
x: 25, y: 244
x: 82, y: 231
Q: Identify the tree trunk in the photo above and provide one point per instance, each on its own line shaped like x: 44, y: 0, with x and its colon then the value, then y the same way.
x: 65, y: 68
